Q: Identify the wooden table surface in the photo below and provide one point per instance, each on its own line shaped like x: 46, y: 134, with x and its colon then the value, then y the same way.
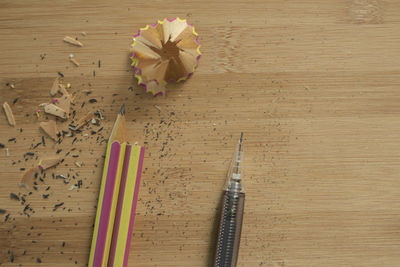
x: 314, y: 85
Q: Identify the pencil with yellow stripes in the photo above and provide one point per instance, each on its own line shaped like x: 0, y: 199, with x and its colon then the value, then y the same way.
x: 126, y: 208
x: 108, y: 196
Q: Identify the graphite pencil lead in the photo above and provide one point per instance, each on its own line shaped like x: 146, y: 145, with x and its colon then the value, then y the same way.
x: 122, y: 110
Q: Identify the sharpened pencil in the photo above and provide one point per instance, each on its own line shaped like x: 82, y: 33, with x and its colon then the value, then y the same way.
x: 108, y: 195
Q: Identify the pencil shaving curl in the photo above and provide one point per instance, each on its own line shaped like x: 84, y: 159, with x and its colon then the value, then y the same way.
x: 168, y: 51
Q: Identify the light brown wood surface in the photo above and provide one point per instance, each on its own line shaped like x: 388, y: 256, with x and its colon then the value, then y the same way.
x: 314, y: 85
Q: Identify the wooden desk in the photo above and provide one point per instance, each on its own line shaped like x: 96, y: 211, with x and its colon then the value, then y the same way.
x: 315, y: 86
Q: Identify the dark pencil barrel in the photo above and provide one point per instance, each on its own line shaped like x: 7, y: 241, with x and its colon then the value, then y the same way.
x: 230, y: 228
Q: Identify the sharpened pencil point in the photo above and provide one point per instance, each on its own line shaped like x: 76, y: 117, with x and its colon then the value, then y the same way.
x: 122, y: 110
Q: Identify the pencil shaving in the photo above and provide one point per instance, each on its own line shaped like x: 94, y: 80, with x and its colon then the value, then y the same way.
x: 44, y: 164
x: 27, y: 178
x: 62, y: 89
x: 56, y: 111
x: 166, y: 52
x: 54, y: 89
x: 73, y: 60
x: 9, y: 114
x: 84, y: 120
x: 50, y: 128
x: 64, y: 103
x: 72, y: 41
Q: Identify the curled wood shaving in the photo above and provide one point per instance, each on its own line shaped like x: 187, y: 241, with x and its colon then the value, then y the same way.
x: 44, y: 164
x: 72, y: 41
x: 84, y: 120
x: 9, y: 114
x: 56, y: 111
x: 27, y: 178
x: 73, y: 60
x: 50, y: 128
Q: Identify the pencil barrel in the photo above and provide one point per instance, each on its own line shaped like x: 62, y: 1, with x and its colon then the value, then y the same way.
x: 126, y: 208
x: 107, y: 204
x: 230, y: 228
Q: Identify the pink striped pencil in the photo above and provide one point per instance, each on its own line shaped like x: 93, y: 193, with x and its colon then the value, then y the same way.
x: 108, y: 196
x: 126, y: 208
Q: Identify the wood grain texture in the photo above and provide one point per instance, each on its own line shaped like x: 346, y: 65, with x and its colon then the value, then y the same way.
x: 313, y: 84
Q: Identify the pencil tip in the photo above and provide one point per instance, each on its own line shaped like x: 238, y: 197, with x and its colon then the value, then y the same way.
x: 241, y: 137
x: 122, y: 110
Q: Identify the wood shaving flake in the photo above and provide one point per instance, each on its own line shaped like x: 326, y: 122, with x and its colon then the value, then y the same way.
x: 62, y: 90
x: 84, y: 120
x: 72, y: 41
x: 50, y: 128
x: 54, y: 89
x: 78, y: 164
x: 7, y: 153
x: 27, y: 178
x: 73, y: 60
x: 48, y: 163
x: 56, y: 111
x: 64, y: 103
x: 9, y: 114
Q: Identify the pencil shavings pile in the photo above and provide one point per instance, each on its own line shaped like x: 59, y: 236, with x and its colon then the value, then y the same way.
x: 167, y: 51
x: 59, y: 108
